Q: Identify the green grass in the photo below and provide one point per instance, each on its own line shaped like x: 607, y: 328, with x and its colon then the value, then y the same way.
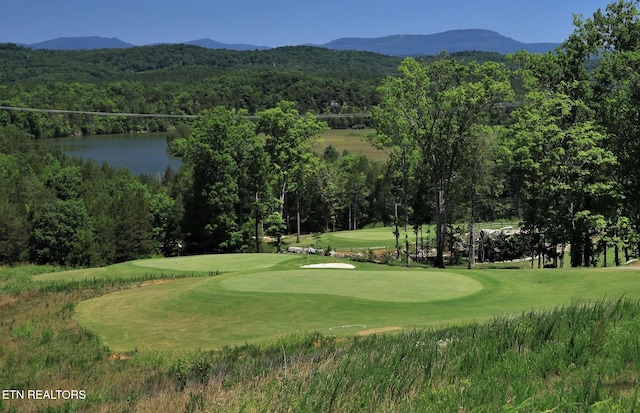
x: 378, y: 237
x: 246, y: 305
x: 352, y: 140
x: 389, y: 286
x: 374, y: 238
x: 205, y: 264
x: 573, y: 352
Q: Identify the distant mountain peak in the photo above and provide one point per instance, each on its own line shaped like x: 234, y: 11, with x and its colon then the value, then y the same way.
x: 81, y: 43
x: 456, y: 40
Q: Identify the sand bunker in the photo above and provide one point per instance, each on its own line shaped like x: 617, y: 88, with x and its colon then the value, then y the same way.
x: 331, y: 265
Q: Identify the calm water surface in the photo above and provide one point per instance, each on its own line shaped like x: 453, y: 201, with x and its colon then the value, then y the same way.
x: 143, y: 153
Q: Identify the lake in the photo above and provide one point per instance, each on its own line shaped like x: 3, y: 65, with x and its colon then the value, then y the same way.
x: 141, y: 153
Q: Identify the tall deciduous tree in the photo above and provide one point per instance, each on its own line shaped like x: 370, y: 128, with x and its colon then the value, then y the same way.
x: 58, y: 228
x: 439, y: 106
x: 394, y: 132
x: 288, y: 144
x: 566, y: 171
x: 213, y: 215
x: 614, y: 37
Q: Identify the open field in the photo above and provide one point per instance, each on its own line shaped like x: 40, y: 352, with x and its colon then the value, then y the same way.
x: 352, y: 140
x: 262, y: 297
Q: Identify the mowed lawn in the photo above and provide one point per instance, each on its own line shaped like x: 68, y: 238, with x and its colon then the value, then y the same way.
x: 264, y: 296
x: 378, y: 237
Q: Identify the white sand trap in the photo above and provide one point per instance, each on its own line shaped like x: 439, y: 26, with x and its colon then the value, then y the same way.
x: 331, y: 265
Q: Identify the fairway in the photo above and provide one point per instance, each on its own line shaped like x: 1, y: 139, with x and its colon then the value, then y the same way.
x: 362, y: 239
x: 221, y: 263
x: 262, y: 297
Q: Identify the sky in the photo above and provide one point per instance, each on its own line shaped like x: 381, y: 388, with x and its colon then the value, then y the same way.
x: 277, y: 23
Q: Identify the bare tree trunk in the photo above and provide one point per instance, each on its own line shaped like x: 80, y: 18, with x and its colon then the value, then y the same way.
x: 587, y: 249
x: 297, y: 216
x: 407, y: 262
x: 283, y: 192
x: 540, y: 251
x: 257, y: 223
x: 355, y: 216
x: 397, y: 231
x: 422, y: 245
x: 472, y: 238
x: 472, y: 245
x: 440, y: 225
x: 406, y: 225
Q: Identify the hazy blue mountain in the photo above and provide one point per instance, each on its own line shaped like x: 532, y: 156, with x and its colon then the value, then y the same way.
x: 432, y: 44
x: 212, y: 44
x: 395, y: 45
x: 81, y: 43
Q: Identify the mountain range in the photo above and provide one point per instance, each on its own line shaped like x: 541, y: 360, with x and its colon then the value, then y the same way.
x: 394, y: 45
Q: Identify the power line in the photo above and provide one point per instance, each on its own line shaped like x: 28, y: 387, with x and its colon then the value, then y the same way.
x: 84, y: 112
x: 154, y: 115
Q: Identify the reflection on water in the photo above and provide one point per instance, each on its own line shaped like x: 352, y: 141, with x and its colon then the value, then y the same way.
x: 144, y: 153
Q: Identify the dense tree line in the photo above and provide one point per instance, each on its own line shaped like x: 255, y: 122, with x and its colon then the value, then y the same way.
x: 179, y: 62
x: 551, y: 139
x: 72, y: 212
x: 567, y: 155
x: 234, y: 188
x: 23, y: 65
x: 180, y: 79
x: 251, y: 91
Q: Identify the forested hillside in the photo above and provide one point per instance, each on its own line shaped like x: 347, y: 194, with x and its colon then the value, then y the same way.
x: 181, y: 79
x: 549, y: 139
x: 22, y: 65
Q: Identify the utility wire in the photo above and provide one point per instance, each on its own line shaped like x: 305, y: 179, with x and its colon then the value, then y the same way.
x: 153, y: 115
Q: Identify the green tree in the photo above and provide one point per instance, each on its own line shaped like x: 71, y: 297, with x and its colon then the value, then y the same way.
x: 439, y: 105
x: 275, y: 227
x: 14, y: 232
x: 479, y: 180
x: 288, y: 144
x: 328, y: 180
x: 58, y: 228
x: 394, y: 132
x: 613, y: 37
x: 566, y: 172
x: 213, y: 155
x: 133, y: 232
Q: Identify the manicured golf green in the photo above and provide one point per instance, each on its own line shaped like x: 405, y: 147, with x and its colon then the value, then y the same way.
x: 394, y: 285
x: 278, y: 297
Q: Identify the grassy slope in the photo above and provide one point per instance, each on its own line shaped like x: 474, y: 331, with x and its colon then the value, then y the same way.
x: 572, y: 359
x: 279, y: 298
